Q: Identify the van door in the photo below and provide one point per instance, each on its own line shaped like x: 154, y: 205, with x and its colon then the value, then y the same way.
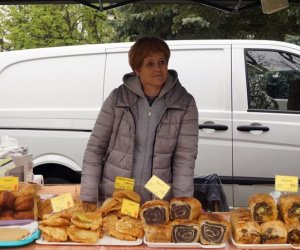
x: 266, y: 117
x: 205, y: 71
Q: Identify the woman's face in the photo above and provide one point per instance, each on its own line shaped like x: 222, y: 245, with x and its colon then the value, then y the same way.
x: 153, y: 72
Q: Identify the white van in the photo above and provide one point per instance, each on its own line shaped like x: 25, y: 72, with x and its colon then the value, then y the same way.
x: 247, y: 93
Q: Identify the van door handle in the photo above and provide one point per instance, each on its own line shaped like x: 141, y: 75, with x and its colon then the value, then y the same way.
x: 247, y: 128
x: 213, y: 126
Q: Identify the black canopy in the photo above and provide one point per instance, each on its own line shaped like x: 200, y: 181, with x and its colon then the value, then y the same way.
x: 233, y: 6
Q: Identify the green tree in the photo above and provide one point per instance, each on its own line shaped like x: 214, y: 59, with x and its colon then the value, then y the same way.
x: 31, y: 26
x: 200, y: 22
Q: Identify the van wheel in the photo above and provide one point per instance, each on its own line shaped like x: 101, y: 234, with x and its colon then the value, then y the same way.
x: 57, y: 174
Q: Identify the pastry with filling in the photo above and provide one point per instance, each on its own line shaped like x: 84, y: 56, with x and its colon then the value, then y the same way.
x: 187, y: 208
x: 293, y: 236
x: 88, y: 220
x: 131, y: 226
x: 155, y: 212
x: 214, y: 229
x: 158, y: 233
x: 185, y: 231
x: 119, y: 195
x: 83, y: 235
x: 54, y: 234
x: 263, y: 207
x: 109, y: 226
x: 244, y: 229
x: 273, y: 232
x: 289, y: 208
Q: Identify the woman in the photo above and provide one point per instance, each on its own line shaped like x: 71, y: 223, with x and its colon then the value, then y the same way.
x: 147, y: 126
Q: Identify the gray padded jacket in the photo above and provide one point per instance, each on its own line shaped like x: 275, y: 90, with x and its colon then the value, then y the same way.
x: 111, y: 146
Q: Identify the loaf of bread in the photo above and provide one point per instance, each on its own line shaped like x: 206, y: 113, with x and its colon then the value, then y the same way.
x: 293, y: 236
x: 158, y: 233
x: 187, y: 208
x: 214, y: 229
x: 244, y: 229
x: 155, y: 212
x: 263, y: 207
x: 185, y: 231
x: 273, y: 232
x: 289, y: 208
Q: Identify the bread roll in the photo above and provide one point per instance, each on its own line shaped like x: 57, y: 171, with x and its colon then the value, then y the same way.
x: 23, y: 203
x: 293, y: 236
x: 21, y: 215
x: 263, y: 207
x: 158, y: 233
x: 185, y: 231
x: 27, y: 189
x: 214, y: 229
x: 187, y: 208
x: 7, y: 200
x: 244, y: 229
x: 7, y: 215
x: 155, y: 212
x: 273, y: 232
x: 289, y: 208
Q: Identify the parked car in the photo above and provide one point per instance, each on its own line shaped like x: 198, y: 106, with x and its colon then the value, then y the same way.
x: 247, y: 93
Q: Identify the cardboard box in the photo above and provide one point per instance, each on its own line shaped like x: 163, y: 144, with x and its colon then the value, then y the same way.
x: 20, y: 166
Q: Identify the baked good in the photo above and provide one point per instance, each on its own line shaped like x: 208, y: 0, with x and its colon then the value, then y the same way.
x: 13, y: 234
x: 155, y: 212
x: 83, y: 235
x: 27, y: 189
x: 158, y: 233
x: 21, y: 215
x: 109, y: 226
x: 131, y: 226
x: 23, y: 203
x: 7, y: 215
x: 293, y: 236
x: 289, y: 208
x: 273, y: 232
x: 44, y: 207
x: 185, y: 231
x: 88, y: 220
x: 244, y: 229
x: 214, y: 229
x: 187, y: 208
x: 109, y: 205
x: 119, y: 195
x: 54, y: 234
x: 7, y: 200
x: 263, y: 207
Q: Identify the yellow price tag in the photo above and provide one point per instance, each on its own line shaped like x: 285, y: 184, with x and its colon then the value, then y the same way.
x: 124, y: 183
x: 286, y: 183
x: 9, y: 183
x: 130, y: 208
x: 157, y: 187
x: 62, y: 202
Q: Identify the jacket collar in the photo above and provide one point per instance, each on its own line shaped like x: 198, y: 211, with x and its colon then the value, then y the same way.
x: 172, y: 91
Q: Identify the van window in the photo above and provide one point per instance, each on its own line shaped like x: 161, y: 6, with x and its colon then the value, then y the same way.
x: 273, y: 79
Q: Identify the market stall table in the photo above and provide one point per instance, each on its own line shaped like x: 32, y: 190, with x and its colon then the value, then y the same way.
x: 75, y: 190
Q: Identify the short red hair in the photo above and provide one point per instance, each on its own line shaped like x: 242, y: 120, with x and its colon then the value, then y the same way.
x: 142, y: 47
